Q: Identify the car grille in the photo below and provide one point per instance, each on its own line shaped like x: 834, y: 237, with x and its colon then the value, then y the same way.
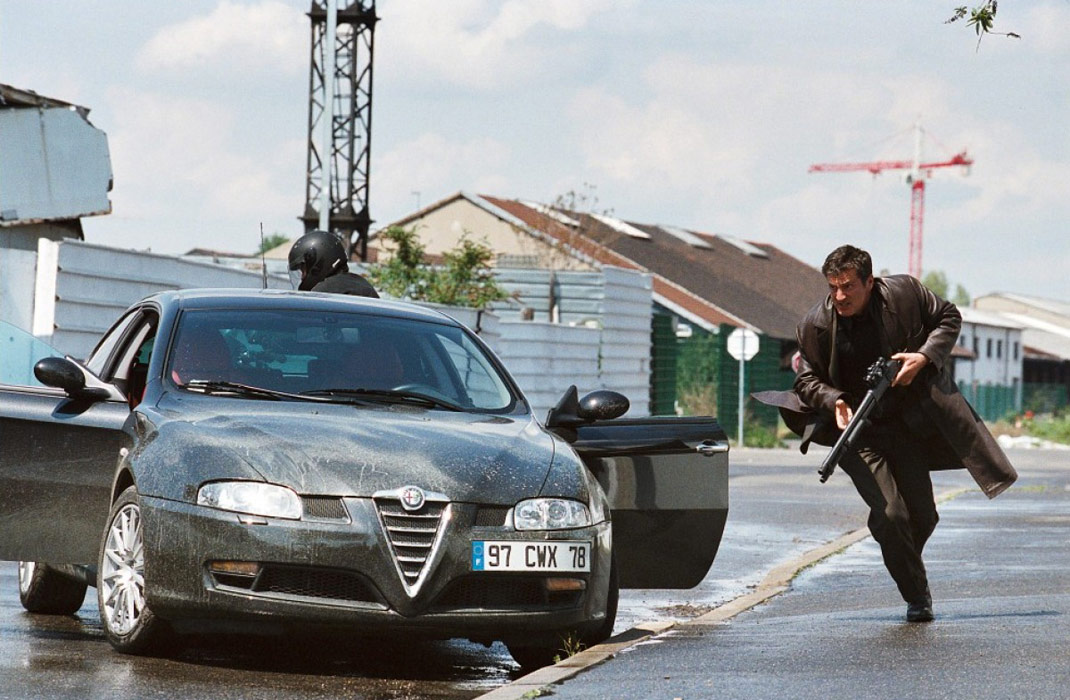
x: 413, y: 535
x: 491, y: 516
x: 308, y: 582
x: 518, y: 593
x: 324, y: 508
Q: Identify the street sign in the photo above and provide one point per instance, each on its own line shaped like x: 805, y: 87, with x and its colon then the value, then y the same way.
x: 742, y: 344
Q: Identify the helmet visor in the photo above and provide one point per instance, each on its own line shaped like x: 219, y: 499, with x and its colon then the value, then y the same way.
x: 296, y: 276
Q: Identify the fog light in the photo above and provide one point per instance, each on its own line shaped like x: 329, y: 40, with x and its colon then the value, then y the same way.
x: 235, y: 568
x: 555, y: 585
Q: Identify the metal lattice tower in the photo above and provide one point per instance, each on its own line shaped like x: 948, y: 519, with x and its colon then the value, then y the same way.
x: 348, y: 148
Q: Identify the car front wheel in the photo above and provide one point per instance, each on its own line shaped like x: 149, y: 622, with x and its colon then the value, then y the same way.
x: 129, y: 625
x: 44, y: 590
x: 534, y: 655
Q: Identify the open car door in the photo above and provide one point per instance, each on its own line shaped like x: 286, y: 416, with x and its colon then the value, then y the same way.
x: 58, y: 457
x: 667, y: 484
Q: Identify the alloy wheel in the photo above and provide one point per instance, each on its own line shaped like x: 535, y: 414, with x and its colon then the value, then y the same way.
x: 122, y: 574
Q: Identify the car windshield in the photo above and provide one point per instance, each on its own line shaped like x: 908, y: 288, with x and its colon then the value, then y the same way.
x: 335, y: 355
x: 19, y: 352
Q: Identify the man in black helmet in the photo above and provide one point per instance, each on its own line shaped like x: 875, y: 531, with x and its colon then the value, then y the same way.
x: 318, y: 264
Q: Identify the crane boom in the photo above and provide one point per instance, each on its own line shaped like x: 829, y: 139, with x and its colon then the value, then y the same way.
x: 876, y: 167
x: 916, y: 179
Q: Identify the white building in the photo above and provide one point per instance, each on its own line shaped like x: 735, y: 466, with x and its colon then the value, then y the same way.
x: 996, y: 345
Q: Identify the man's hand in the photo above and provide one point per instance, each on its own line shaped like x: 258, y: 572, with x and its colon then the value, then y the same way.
x: 843, y: 414
x: 913, y: 362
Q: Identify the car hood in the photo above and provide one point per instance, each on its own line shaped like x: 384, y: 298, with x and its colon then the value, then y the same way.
x: 323, y: 449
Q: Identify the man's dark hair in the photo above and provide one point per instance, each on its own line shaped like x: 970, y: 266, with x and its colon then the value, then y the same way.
x: 845, y: 258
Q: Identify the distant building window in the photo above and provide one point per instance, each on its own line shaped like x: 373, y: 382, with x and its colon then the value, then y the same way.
x: 999, y: 349
x: 988, y: 348
x: 976, y: 351
x: 1016, y: 351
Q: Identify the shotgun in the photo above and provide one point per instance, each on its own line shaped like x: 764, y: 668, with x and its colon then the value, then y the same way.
x: 879, y: 377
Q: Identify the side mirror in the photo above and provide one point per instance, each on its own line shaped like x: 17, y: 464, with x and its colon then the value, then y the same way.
x: 65, y: 374
x: 571, y: 411
x: 603, y: 405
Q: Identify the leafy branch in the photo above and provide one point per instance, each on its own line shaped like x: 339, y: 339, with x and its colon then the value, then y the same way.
x: 982, y: 19
x: 464, y: 278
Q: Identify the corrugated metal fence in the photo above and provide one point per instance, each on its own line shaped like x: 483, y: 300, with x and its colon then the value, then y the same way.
x: 601, y: 341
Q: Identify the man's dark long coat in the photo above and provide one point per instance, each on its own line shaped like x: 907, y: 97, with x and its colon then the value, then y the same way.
x: 913, y: 319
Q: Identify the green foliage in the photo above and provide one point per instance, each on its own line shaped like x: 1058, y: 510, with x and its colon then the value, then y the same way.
x: 466, y: 279
x: 937, y: 281
x: 757, y: 434
x: 1052, y: 427
x: 961, y: 296
x: 696, y: 374
x: 982, y: 18
x: 463, y: 280
x: 272, y: 241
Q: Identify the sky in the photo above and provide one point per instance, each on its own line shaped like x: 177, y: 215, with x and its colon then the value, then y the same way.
x: 704, y: 115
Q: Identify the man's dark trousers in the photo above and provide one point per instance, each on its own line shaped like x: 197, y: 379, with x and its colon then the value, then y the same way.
x: 892, y: 479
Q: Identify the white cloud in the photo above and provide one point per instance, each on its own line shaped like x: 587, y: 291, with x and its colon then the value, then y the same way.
x: 478, y: 43
x: 263, y: 37
x: 435, y: 167
x: 1045, y: 29
x: 166, y: 149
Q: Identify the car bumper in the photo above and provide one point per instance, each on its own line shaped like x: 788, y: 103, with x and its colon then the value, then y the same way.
x: 344, y: 574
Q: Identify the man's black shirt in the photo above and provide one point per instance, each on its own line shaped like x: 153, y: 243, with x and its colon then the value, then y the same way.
x: 347, y: 283
x: 858, y: 345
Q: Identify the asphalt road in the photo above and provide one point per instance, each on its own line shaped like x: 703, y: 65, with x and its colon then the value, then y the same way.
x: 1000, y: 577
x: 778, y: 511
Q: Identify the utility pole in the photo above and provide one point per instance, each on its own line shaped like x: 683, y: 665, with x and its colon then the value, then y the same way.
x: 340, y: 121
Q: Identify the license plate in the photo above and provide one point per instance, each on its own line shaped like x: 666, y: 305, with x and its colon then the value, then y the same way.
x: 530, y: 556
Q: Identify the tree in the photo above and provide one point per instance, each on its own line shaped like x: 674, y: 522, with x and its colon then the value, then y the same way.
x: 981, y: 18
x: 936, y: 280
x: 464, y: 278
x: 272, y: 241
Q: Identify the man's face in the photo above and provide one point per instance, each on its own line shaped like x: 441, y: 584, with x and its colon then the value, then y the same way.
x: 849, y: 293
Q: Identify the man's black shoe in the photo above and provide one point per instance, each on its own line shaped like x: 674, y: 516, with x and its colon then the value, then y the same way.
x: 920, y: 612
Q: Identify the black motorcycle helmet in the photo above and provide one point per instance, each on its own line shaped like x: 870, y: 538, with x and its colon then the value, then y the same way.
x: 316, y: 256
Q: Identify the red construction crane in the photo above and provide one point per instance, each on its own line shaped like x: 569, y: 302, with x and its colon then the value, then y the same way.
x: 919, y: 172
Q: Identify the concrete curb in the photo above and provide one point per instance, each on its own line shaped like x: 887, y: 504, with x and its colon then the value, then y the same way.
x: 775, y: 582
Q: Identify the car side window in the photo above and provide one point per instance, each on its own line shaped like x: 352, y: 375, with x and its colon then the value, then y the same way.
x: 130, y: 371
x: 99, y: 357
x: 19, y: 352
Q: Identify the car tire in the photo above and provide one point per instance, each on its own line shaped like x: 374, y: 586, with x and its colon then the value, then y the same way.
x: 534, y: 656
x: 129, y: 624
x: 604, y: 629
x: 44, y: 590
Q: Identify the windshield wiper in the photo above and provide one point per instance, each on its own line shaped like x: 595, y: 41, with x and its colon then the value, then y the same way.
x: 388, y: 395
x: 219, y: 386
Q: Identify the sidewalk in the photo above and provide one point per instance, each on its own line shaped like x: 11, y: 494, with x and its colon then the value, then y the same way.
x: 1000, y: 575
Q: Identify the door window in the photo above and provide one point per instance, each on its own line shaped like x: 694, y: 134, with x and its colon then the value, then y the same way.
x: 99, y: 357
x: 19, y: 352
x: 130, y: 371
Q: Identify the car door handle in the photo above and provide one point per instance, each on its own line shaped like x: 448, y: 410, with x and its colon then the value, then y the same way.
x: 709, y: 448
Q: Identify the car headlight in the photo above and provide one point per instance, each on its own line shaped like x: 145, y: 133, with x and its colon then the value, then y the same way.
x: 550, y: 514
x: 252, y: 497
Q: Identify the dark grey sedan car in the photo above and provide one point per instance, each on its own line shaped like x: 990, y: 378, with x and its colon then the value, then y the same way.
x: 264, y: 459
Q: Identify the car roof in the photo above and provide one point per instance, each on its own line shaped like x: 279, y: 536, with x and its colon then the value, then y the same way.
x: 289, y: 299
